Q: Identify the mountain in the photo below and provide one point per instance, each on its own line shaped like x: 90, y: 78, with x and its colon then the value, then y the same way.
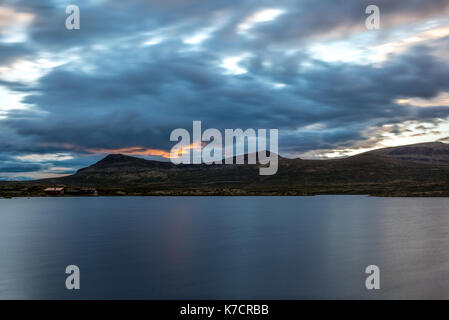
x: 412, y: 170
x: 430, y: 153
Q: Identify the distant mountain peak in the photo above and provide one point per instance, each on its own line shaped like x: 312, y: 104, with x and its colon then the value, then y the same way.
x: 117, y: 157
x: 118, y: 160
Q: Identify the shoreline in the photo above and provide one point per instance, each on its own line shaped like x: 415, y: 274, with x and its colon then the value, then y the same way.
x: 387, y: 190
x: 230, y: 195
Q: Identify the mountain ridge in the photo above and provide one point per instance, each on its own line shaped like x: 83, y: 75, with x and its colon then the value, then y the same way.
x: 427, y: 152
x: 377, y: 172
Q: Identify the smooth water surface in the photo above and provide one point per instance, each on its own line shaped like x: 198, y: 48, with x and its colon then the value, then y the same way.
x: 224, y: 247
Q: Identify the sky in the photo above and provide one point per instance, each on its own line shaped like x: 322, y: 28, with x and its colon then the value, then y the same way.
x: 136, y: 70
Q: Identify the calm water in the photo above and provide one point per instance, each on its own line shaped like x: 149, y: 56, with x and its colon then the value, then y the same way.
x: 224, y: 247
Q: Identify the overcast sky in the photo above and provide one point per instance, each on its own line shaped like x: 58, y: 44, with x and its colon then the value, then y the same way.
x: 136, y: 70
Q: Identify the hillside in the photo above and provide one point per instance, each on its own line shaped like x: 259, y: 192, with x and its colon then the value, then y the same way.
x: 430, y: 153
x: 414, y: 170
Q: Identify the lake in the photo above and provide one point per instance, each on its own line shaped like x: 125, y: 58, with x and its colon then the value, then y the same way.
x: 224, y: 247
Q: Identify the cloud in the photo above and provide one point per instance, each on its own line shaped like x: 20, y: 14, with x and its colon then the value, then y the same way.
x: 136, y: 71
x: 141, y: 104
x: 13, y: 52
x: 17, y: 167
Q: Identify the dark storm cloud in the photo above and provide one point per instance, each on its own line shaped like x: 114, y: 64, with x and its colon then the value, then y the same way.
x: 107, y: 20
x: 11, y: 52
x: 122, y: 94
x: 127, y: 105
x: 308, y: 18
x: 18, y: 167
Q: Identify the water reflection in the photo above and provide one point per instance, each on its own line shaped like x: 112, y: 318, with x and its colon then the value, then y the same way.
x: 224, y: 247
